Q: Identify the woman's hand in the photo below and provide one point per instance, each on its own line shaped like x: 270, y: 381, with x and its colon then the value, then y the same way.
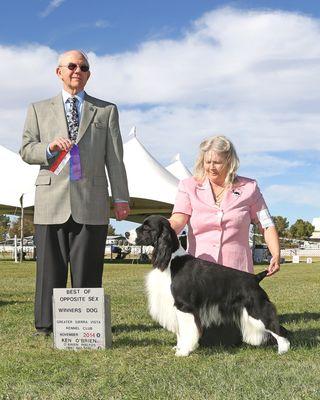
x: 274, y: 266
x: 272, y: 240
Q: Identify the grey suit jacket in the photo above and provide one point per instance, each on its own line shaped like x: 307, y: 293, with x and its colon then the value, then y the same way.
x: 100, y: 145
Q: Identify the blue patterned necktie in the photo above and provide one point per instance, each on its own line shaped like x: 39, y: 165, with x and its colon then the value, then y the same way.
x: 73, y: 119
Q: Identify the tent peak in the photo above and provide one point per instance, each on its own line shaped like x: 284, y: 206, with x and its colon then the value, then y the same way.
x: 176, y: 157
x: 133, y: 131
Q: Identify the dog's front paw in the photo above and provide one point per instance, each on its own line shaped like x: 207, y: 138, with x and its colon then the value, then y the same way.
x: 182, y: 352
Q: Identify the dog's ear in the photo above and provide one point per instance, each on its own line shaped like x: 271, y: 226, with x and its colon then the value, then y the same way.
x: 166, y: 244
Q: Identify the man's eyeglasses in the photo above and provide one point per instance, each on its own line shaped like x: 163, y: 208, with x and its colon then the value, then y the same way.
x: 73, y: 66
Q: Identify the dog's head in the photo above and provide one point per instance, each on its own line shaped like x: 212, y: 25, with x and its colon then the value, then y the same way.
x: 156, y: 231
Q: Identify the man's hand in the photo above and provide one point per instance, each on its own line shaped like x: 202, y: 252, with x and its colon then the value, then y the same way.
x: 121, y: 210
x: 60, y: 143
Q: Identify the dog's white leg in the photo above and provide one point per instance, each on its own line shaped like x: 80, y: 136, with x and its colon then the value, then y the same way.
x: 253, y: 330
x: 177, y: 345
x: 283, y: 343
x: 188, y: 335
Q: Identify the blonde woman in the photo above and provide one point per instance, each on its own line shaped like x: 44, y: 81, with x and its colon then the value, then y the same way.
x: 219, y: 206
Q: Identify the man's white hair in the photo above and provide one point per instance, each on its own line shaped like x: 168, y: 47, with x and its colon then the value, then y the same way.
x: 84, y: 55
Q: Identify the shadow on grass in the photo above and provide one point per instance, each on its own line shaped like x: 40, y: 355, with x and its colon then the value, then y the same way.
x: 134, y: 327
x: 296, y: 317
x: 11, y: 302
x: 306, y: 338
x: 148, y: 342
x: 221, y: 339
x: 144, y: 342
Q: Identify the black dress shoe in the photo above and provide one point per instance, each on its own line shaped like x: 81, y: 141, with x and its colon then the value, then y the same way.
x: 43, y: 332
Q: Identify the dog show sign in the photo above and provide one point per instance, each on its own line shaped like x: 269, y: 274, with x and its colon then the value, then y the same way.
x: 81, y: 319
x: 295, y: 259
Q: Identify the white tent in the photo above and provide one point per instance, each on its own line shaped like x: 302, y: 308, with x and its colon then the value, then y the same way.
x: 17, y: 182
x: 152, y: 188
x: 178, y: 169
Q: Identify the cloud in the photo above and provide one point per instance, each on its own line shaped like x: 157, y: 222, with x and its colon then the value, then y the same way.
x: 101, y: 23
x: 167, y: 130
x: 264, y: 165
x: 230, y: 59
x: 253, y: 76
x: 305, y: 194
x: 250, y: 75
x: 53, y: 5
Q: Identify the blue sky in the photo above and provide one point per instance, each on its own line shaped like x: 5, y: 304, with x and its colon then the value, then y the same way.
x: 116, y: 26
x: 182, y: 70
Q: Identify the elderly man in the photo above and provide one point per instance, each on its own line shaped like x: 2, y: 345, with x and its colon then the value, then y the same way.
x: 72, y: 136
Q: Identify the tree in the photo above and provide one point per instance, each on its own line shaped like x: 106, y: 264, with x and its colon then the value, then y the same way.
x: 258, y: 237
x: 111, y: 230
x: 4, y: 222
x: 301, y: 229
x: 28, y: 227
x: 282, y: 225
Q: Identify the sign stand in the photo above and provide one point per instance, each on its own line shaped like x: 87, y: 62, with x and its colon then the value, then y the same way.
x: 81, y: 319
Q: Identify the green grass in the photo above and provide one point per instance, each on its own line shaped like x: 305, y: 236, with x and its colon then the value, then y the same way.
x: 141, y: 363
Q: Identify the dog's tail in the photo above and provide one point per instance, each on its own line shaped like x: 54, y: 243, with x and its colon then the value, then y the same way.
x: 261, y: 275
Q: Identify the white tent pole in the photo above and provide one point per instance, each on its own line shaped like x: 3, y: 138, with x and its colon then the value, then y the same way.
x: 15, y: 249
x: 21, y: 226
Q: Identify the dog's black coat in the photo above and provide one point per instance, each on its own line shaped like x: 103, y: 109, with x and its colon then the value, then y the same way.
x: 197, y: 285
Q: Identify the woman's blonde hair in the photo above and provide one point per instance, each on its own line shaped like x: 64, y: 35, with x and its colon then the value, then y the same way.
x: 222, y: 146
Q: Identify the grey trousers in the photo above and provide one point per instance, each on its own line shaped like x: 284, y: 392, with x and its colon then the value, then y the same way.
x: 58, y: 245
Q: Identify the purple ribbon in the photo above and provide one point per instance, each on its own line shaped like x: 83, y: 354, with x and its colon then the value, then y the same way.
x: 75, y: 165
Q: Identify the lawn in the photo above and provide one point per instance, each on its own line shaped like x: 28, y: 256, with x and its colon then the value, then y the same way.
x: 141, y: 364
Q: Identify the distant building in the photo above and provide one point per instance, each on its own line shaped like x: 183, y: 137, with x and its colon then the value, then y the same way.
x: 316, y: 232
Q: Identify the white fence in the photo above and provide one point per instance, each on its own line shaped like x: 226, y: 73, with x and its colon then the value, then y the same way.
x: 8, y: 252
x: 135, y: 251
x: 300, y: 252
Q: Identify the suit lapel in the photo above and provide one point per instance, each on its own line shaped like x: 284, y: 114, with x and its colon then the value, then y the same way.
x: 88, y: 112
x: 60, y: 115
x: 205, y: 193
x: 232, y: 196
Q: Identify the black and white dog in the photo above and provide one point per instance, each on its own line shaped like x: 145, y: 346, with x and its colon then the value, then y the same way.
x: 186, y: 294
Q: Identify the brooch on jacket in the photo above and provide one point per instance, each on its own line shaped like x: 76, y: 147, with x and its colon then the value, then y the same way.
x: 236, y: 193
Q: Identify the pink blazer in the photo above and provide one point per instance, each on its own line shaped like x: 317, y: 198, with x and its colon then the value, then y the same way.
x: 221, y: 234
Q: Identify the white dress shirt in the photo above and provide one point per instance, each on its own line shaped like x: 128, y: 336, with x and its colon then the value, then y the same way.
x: 79, y: 104
x: 79, y: 96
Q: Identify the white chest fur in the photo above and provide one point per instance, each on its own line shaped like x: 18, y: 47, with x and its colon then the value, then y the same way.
x: 161, y: 302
